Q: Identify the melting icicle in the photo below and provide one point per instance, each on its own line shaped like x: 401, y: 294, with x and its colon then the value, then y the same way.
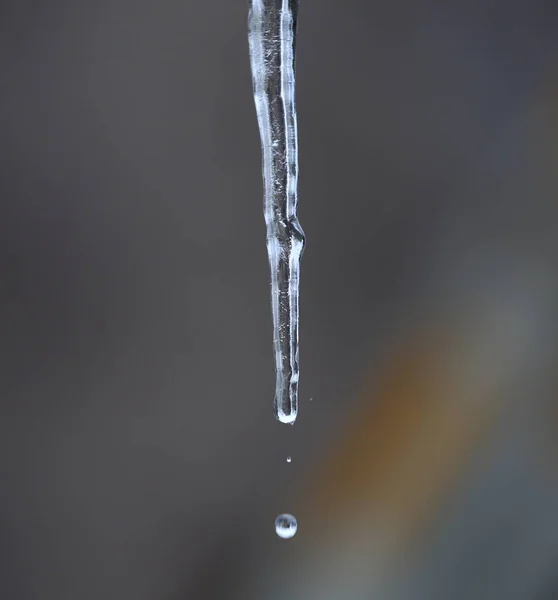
x: 286, y: 526
x: 272, y: 37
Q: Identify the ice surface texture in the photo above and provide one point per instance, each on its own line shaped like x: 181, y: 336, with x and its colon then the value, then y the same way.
x: 272, y: 38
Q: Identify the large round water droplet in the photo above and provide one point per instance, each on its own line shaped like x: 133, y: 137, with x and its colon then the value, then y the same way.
x: 286, y: 526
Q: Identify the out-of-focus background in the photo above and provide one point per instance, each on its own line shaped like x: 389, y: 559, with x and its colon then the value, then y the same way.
x: 139, y: 456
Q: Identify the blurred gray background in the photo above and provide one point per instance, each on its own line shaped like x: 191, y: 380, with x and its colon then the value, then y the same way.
x: 139, y: 454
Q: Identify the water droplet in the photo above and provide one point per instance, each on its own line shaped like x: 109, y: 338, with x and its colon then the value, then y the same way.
x: 286, y: 526
x: 289, y: 459
x: 310, y: 399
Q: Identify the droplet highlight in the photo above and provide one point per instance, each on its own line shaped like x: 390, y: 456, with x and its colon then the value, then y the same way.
x: 286, y: 526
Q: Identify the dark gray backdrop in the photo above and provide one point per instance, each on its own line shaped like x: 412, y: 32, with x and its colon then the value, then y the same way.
x: 139, y: 455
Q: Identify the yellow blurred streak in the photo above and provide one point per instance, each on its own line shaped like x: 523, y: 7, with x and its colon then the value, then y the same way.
x: 412, y: 439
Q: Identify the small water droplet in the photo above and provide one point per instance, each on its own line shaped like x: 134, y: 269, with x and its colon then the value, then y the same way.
x: 289, y: 459
x: 310, y: 399
x: 286, y: 526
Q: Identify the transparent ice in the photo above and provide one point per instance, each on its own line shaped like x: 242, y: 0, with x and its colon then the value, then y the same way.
x: 286, y: 526
x: 272, y: 38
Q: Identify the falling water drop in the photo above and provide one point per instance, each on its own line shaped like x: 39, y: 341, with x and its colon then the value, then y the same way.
x: 286, y: 526
x: 272, y: 38
x: 289, y: 459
